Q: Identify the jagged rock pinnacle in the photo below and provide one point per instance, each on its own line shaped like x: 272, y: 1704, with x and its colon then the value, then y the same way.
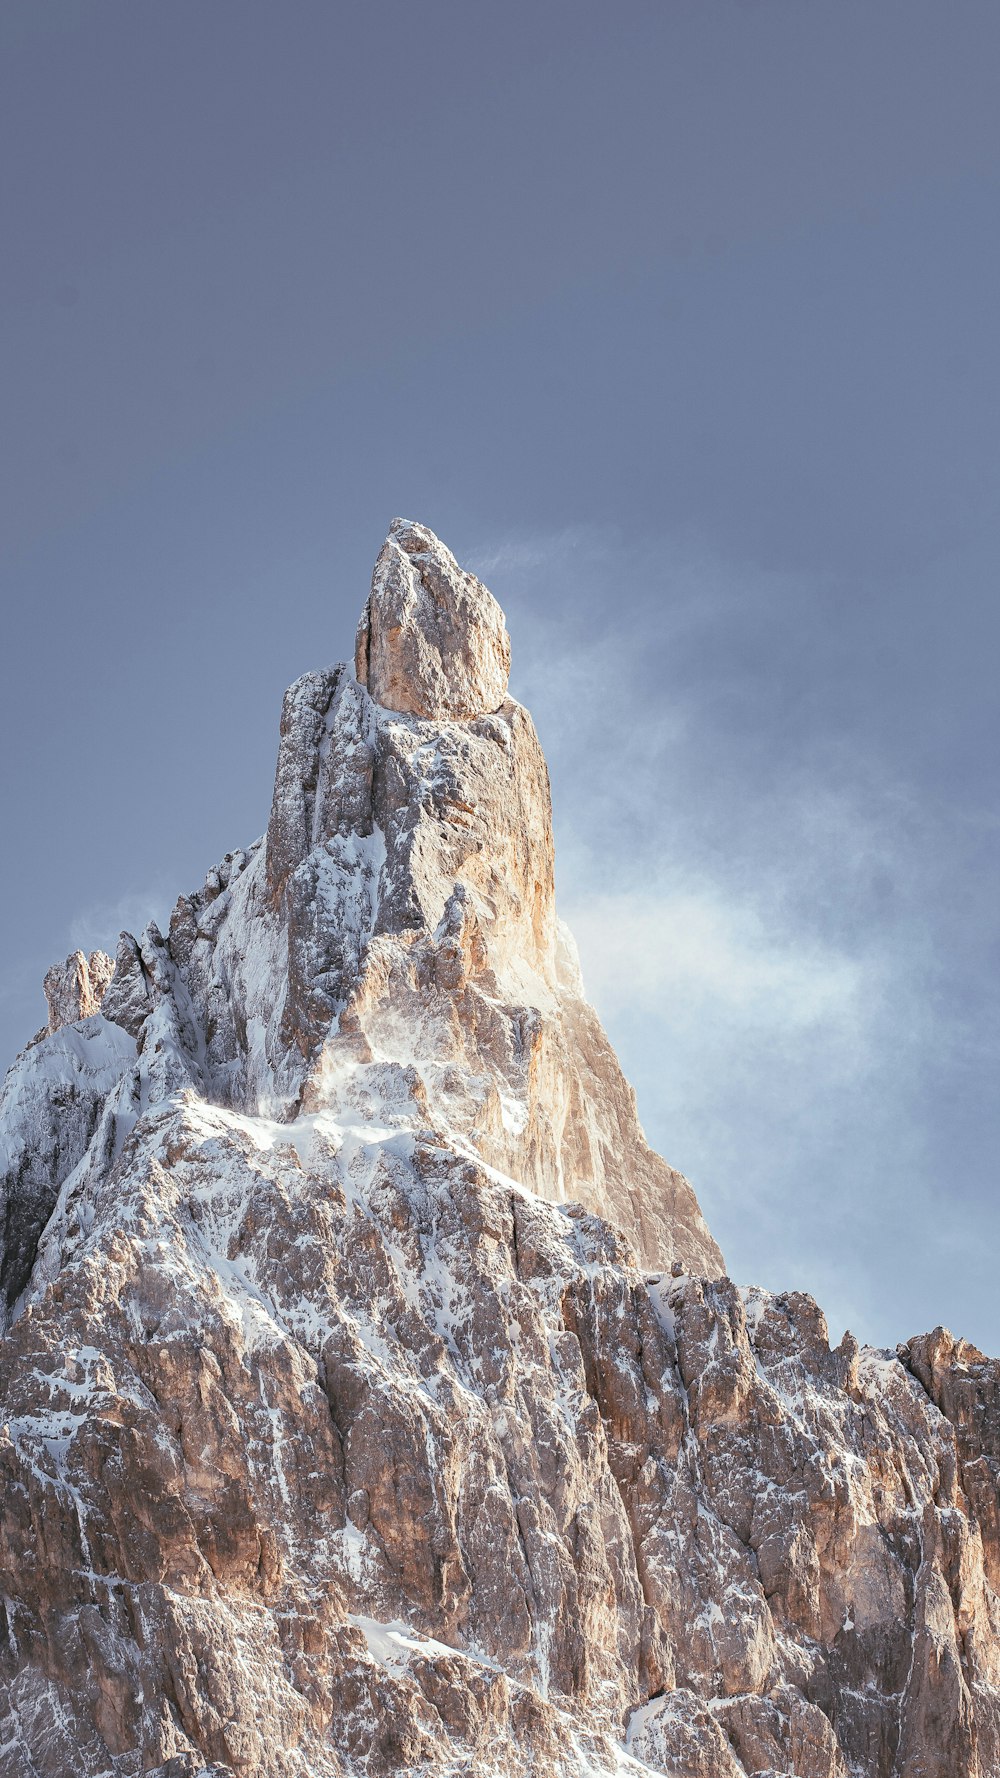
x: 74, y: 989
x: 432, y: 640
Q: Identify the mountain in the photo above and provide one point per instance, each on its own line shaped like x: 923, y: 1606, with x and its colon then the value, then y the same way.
x: 373, y: 1399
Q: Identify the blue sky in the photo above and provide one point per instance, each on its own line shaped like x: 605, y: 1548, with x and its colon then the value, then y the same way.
x: 678, y: 320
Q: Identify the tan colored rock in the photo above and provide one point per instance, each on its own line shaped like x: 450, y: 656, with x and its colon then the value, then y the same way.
x: 75, y: 989
x: 965, y: 1385
x: 373, y: 1401
x: 432, y: 641
x: 420, y: 1465
x: 396, y: 936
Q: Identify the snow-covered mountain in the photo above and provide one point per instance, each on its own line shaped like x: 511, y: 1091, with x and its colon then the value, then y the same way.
x: 373, y: 1399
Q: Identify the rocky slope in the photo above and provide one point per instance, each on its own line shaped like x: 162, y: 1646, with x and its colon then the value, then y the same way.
x: 372, y: 1398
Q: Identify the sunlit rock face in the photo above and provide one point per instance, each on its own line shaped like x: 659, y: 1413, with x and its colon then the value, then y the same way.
x: 75, y: 989
x: 373, y: 1400
x: 432, y: 641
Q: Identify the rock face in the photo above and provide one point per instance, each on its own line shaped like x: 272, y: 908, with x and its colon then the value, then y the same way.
x: 373, y: 1400
x: 74, y: 989
x: 432, y: 641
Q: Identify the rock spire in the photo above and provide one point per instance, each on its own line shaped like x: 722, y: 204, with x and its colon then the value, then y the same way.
x: 432, y: 640
x: 75, y: 989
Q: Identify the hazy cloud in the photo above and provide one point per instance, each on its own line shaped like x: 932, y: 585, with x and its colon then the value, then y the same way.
x: 97, y: 926
x: 691, y: 951
x: 773, y: 917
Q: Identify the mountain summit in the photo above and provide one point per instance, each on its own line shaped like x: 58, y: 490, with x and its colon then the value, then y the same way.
x: 373, y: 1398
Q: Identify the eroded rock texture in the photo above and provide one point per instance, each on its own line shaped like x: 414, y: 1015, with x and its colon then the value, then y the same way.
x: 74, y: 989
x: 432, y: 640
x: 373, y: 1401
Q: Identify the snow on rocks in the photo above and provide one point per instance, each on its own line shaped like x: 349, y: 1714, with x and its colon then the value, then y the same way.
x: 372, y: 1400
x: 50, y: 1105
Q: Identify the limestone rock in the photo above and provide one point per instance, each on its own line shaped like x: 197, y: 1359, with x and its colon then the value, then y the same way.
x: 371, y: 1397
x: 965, y: 1385
x: 395, y: 936
x: 75, y: 989
x: 432, y: 641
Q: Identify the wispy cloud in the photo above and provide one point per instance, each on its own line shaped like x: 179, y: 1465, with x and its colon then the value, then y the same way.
x: 770, y: 912
x: 697, y: 954
x: 519, y: 555
x: 97, y: 926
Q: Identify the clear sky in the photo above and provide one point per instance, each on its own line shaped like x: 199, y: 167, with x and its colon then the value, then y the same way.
x: 679, y: 321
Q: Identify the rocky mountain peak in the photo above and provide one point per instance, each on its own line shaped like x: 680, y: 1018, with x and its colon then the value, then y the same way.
x: 371, y: 1399
x: 431, y: 640
x: 396, y: 934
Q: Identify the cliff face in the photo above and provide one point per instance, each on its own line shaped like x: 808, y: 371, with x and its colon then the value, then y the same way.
x: 372, y: 1397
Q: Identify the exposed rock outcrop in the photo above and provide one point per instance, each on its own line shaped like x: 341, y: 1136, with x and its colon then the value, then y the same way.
x: 75, y: 989
x: 374, y: 1401
x: 432, y: 641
